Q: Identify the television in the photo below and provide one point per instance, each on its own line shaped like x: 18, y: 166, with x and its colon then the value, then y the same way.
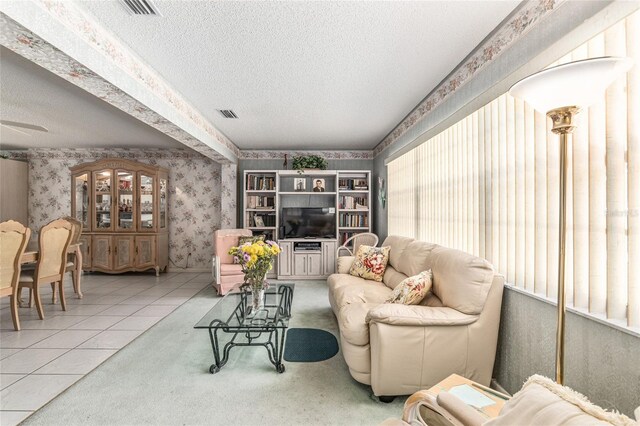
x: 308, y: 222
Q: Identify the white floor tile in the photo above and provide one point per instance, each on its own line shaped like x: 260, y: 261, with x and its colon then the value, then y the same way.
x: 184, y: 292
x: 122, y: 309
x: 8, y: 352
x: 155, y: 311
x: 23, y: 338
x: 136, y: 323
x: 139, y: 300
x: 85, y: 309
x: 12, y: 418
x: 111, y: 339
x: 156, y: 291
x: 34, y: 391
x: 66, y: 339
x: 9, y: 379
x: 197, y: 284
x: 110, y: 300
x: 127, y: 291
x: 76, y: 361
x: 52, y: 323
x: 29, y: 360
x: 171, y: 301
x: 97, y: 323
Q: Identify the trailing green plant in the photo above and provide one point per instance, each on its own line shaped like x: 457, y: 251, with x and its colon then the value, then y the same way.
x: 309, y: 162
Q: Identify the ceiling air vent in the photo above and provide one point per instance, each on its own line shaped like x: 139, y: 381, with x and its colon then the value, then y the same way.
x: 227, y: 113
x: 140, y: 7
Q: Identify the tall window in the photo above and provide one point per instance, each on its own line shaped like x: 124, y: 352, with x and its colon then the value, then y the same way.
x: 489, y: 185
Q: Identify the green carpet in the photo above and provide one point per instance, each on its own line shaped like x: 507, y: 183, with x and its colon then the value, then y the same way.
x: 162, y: 378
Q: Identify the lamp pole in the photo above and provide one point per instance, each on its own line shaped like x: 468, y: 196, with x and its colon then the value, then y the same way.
x: 563, y: 125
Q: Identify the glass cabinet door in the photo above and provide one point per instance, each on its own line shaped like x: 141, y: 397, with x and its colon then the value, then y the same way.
x: 145, y: 222
x: 81, y: 199
x: 163, y: 203
x: 103, y: 200
x: 125, y: 200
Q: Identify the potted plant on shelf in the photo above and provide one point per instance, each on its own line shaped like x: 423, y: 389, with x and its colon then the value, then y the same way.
x: 306, y: 162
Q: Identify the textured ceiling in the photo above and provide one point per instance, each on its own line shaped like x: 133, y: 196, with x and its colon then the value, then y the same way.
x: 75, y: 119
x: 304, y: 75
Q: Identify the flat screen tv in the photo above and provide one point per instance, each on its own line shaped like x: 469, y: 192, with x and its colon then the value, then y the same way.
x: 308, y: 222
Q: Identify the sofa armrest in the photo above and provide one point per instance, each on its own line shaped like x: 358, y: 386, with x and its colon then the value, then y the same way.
x: 417, y: 315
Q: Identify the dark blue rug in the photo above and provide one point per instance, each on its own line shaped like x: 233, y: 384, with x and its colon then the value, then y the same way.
x: 309, y: 345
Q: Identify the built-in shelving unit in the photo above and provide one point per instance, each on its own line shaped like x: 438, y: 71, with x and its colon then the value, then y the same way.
x: 267, y: 192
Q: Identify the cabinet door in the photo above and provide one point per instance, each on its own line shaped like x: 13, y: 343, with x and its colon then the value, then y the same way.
x: 80, y: 199
x: 284, y: 259
x: 329, y: 258
x: 314, y: 264
x: 147, y: 213
x: 125, y: 211
x: 123, y: 252
x: 300, y: 264
x: 101, y: 252
x: 103, y: 200
x: 145, y: 252
x: 85, y: 247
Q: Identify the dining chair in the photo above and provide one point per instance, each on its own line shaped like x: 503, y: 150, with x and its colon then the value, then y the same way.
x: 53, y: 241
x: 364, y: 238
x: 72, y: 260
x: 14, y: 237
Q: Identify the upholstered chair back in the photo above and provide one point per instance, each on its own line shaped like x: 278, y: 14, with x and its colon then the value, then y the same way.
x: 13, y: 240
x: 54, y: 240
x: 224, y: 239
x: 77, y: 229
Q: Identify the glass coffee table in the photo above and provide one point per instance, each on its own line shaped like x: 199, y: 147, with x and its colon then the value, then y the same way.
x: 232, y: 323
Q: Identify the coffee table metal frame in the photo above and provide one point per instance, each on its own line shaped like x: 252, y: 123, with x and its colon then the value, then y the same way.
x: 274, y: 326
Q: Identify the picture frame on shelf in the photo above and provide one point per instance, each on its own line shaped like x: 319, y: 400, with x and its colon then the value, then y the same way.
x: 300, y: 184
x: 318, y: 185
x: 258, y: 221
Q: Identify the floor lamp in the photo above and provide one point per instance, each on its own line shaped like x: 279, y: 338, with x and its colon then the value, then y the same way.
x: 561, y: 92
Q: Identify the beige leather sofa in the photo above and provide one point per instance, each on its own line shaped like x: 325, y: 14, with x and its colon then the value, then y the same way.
x: 399, y: 349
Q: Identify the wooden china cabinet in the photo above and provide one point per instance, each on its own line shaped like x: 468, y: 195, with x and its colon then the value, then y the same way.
x: 122, y: 205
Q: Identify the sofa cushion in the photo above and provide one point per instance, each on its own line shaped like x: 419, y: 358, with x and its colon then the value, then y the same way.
x: 461, y: 280
x: 336, y: 281
x: 353, y: 327
x: 344, y: 264
x: 371, y: 292
x: 370, y: 262
x: 398, y: 245
x: 392, y: 277
x: 416, y: 258
x: 412, y: 290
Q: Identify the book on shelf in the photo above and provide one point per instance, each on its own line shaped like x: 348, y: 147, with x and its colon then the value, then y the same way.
x: 352, y: 184
x: 261, y: 220
x: 261, y: 183
x: 353, y: 220
x: 260, y: 202
x: 353, y: 203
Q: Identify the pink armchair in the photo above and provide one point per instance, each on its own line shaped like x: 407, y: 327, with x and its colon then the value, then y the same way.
x: 226, y: 274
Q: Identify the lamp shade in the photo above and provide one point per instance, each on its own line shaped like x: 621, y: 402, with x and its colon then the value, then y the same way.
x: 579, y: 83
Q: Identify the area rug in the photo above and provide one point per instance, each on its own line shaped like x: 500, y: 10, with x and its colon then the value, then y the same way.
x: 309, y: 345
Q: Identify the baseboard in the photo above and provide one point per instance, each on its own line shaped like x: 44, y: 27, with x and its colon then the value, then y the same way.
x: 199, y: 270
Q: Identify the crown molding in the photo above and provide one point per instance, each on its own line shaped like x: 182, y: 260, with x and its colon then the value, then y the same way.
x: 329, y: 155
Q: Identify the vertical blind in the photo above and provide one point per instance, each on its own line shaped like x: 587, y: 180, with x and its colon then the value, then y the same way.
x: 489, y: 185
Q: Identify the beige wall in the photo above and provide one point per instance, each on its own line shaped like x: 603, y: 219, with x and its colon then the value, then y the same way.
x: 14, y: 191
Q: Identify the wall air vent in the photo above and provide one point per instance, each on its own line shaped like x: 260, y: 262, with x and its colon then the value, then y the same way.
x: 140, y: 7
x: 227, y: 113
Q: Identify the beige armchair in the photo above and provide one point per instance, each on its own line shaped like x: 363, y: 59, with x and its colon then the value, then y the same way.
x: 226, y: 273
x: 13, y: 240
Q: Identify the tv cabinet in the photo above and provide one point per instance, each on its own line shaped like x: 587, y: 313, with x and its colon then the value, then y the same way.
x: 267, y: 192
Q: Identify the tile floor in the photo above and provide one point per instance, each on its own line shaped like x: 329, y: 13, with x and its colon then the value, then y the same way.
x: 46, y: 357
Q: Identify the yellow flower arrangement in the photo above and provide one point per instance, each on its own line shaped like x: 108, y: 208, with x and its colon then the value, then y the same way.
x: 256, y: 259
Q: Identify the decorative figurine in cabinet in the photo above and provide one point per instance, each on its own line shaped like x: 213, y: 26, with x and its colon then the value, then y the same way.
x: 122, y: 205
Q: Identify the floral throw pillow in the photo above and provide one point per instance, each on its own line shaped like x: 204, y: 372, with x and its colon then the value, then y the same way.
x: 370, y: 262
x: 250, y: 239
x: 412, y: 290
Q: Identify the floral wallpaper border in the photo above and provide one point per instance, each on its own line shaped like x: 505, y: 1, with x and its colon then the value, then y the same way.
x: 530, y: 13
x: 199, y: 194
x: 329, y: 155
x: 25, y: 43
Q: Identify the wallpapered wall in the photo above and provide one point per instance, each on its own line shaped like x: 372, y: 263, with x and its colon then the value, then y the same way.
x: 195, y: 188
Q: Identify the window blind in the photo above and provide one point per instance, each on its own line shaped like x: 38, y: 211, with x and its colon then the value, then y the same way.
x: 489, y: 185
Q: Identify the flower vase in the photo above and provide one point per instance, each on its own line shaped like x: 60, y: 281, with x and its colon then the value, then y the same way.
x: 257, y: 298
